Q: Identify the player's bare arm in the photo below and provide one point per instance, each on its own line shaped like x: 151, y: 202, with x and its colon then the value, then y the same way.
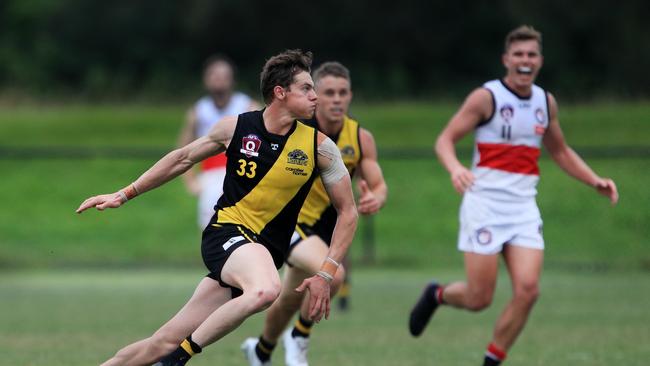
x: 569, y: 160
x: 336, y: 180
x: 170, y: 166
x: 476, y: 108
x: 371, y: 180
x: 187, y: 135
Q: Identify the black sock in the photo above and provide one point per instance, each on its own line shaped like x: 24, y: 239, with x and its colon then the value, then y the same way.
x: 489, y: 361
x: 302, y: 328
x: 264, y: 349
x: 182, y: 354
x: 493, y: 355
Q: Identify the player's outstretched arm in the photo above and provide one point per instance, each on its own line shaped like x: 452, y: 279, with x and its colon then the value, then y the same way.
x: 170, y: 166
x: 476, y: 108
x: 570, y: 161
x: 336, y: 180
x: 186, y: 136
x: 371, y: 184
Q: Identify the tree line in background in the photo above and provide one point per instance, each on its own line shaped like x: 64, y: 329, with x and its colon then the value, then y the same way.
x: 408, y: 49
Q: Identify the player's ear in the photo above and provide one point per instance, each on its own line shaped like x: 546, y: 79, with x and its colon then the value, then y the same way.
x: 279, y: 92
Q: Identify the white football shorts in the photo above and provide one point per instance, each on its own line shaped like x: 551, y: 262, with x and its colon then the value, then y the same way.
x: 487, y: 225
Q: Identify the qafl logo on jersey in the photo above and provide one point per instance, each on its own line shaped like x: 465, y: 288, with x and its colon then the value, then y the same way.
x: 483, y: 236
x: 250, y: 145
x: 507, y: 112
x: 297, y: 157
x: 539, y: 115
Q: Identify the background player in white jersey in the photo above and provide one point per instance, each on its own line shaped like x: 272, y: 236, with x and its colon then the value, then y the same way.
x: 310, y: 242
x: 221, y: 101
x: 511, y: 118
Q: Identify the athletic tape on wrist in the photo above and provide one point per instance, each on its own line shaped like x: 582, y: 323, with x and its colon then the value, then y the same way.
x: 329, y: 259
x: 329, y: 268
x: 123, y: 196
x: 130, y: 191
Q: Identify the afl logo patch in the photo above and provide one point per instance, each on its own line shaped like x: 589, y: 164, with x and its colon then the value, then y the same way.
x: 250, y: 145
x: 483, y: 236
x: 297, y: 157
x: 507, y: 112
x: 539, y: 115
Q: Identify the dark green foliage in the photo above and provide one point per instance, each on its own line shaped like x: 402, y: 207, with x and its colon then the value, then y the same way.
x: 119, y: 49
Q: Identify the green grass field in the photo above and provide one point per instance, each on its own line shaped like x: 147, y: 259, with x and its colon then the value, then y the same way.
x: 73, y: 318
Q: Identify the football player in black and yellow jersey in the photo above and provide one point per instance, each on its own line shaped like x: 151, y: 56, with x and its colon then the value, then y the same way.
x: 317, y: 219
x: 273, y: 160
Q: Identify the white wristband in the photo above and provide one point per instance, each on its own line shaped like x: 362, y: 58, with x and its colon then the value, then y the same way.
x: 324, y: 275
x: 123, y: 196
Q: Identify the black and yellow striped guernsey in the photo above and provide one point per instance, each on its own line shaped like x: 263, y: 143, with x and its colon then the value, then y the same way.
x: 317, y: 207
x: 267, y: 179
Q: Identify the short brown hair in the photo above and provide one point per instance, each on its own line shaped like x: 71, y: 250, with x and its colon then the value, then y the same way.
x: 523, y: 33
x: 332, y: 68
x: 280, y: 69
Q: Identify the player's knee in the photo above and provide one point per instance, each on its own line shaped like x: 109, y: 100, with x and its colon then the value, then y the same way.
x: 290, y: 300
x: 479, y: 302
x: 527, y: 293
x: 263, y: 297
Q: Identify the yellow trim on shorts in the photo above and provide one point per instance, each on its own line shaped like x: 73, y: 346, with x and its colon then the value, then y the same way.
x: 187, y: 347
x: 244, y: 234
x: 301, y: 233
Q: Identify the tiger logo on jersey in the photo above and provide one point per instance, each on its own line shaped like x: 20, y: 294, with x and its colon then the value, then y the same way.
x: 297, y: 157
x: 347, y: 151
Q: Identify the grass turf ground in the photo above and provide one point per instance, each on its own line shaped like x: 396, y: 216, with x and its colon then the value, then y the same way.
x: 81, y: 317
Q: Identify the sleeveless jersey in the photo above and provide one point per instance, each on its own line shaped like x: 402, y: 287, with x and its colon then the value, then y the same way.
x: 507, y: 147
x: 207, y: 114
x: 268, y: 177
x: 317, y: 206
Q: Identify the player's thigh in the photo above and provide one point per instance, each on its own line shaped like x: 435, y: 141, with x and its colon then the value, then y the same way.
x: 525, y: 266
x: 309, y: 254
x: 251, y: 265
x: 481, y: 271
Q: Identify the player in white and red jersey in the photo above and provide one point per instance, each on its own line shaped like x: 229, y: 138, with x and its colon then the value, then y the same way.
x: 222, y: 101
x: 511, y: 119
